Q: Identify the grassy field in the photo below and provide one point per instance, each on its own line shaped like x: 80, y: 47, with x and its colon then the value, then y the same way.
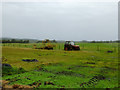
x: 91, y: 67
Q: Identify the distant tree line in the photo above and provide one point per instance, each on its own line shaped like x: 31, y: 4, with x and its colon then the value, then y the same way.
x: 15, y: 41
x: 47, y: 41
x: 117, y: 41
x: 53, y: 41
x: 85, y: 41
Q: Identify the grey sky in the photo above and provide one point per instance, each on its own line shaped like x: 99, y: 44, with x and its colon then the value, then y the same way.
x: 61, y: 20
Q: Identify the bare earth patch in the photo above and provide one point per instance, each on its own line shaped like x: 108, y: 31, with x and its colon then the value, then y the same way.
x: 15, y: 86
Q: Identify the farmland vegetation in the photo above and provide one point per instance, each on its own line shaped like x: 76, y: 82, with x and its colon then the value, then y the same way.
x: 91, y: 67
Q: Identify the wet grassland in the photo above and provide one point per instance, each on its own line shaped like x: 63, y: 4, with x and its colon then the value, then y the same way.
x: 91, y: 67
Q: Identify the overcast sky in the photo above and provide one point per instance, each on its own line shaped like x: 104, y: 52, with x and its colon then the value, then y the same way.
x: 61, y: 20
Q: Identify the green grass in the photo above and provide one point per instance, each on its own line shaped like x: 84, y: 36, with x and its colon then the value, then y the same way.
x: 60, y: 46
x: 63, y: 69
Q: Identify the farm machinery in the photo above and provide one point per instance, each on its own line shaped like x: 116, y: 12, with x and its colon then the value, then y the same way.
x: 45, y: 45
x: 69, y: 45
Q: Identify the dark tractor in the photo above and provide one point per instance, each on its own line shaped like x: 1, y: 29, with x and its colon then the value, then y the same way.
x: 69, y: 45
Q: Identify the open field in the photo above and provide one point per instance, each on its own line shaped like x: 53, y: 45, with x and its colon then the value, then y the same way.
x: 91, y: 67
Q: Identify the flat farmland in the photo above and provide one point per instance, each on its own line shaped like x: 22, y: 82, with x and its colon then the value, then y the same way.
x: 91, y: 67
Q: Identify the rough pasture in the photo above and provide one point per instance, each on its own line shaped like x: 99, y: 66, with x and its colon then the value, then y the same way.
x: 91, y: 67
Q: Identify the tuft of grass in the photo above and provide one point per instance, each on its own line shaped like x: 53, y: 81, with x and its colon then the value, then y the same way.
x: 11, y: 71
